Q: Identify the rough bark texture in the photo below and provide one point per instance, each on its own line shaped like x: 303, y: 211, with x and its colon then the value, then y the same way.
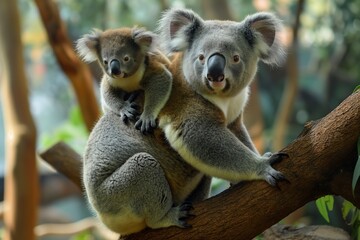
x: 21, y: 182
x: 321, y: 162
x: 77, y: 71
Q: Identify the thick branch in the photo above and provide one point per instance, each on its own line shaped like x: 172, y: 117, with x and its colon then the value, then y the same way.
x: 77, y: 71
x: 320, y: 163
x: 21, y: 180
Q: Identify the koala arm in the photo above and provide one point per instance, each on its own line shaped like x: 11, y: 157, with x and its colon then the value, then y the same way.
x: 118, y: 101
x: 213, y: 149
x: 238, y: 128
x: 157, y: 84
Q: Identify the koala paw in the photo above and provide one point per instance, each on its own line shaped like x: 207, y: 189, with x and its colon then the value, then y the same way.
x: 184, y: 214
x: 269, y: 174
x: 130, y: 110
x: 146, y: 124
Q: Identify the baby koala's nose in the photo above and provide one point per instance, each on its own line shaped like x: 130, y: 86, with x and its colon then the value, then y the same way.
x: 115, y: 67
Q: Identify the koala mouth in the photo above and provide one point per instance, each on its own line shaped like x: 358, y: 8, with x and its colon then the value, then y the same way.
x: 120, y: 75
x: 217, y: 86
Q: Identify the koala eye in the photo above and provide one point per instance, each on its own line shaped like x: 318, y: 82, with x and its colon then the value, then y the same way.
x: 126, y: 58
x: 105, y: 62
x: 236, y: 58
x: 201, y: 58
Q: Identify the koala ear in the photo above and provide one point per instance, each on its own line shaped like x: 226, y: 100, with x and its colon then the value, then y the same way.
x: 87, y: 46
x: 261, y: 30
x: 145, y: 39
x: 177, y: 27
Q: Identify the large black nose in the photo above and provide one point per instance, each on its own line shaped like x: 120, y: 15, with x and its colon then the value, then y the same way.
x: 216, y: 66
x: 115, y: 67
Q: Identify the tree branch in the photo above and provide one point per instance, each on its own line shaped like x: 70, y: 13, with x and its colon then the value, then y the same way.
x: 77, y: 71
x: 21, y: 179
x: 321, y: 162
x: 66, y: 161
x: 291, y: 85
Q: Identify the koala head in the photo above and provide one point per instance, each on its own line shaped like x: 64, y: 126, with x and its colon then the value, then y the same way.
x: 220, y: 57
x: 120, y: 52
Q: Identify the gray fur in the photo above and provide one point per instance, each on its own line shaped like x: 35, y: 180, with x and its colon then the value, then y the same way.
x: 133, y: 49
x: 205, y: 142
x: 134, y: 181
x: 123, y: 176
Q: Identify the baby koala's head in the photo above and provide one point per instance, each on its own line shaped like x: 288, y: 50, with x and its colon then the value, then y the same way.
x: 120, y: 52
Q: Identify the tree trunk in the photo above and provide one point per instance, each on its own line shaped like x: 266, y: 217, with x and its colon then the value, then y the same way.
x: 77, y: 71
x: 21, y: 180
x: 321, y: 161
x: 291, y: 86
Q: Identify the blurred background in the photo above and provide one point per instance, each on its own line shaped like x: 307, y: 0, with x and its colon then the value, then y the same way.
x: 322, y: 39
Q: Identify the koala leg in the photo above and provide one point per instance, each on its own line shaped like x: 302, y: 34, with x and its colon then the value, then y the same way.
x: 202, y: 191
x: 142, y: 197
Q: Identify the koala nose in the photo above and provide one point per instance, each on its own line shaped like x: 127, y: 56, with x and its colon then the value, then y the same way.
x: 115, y: 67
x: 216, y: 66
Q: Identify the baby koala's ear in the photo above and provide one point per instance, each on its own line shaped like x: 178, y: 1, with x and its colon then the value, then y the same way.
x: 88, y: 45
x: 145, y: 39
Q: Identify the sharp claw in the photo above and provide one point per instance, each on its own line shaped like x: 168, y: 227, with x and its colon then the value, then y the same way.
x: 184, y: 224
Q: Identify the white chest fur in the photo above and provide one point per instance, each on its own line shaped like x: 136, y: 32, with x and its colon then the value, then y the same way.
x: 232, y: 107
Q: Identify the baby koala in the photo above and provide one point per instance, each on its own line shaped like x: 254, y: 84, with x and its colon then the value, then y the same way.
x: 130, y: 62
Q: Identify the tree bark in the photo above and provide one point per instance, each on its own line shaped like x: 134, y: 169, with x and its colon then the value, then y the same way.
x: 21, y: 179
x: 321, y: 161
x: 66, y: 161
x: 77, y: 71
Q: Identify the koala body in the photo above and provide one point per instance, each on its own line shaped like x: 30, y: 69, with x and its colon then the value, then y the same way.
x: 130, y: 62
x: 135, y: 181
x: 218, y: 60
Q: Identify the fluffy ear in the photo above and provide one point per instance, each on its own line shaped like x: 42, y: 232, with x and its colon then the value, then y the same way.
x: 177, y: 27
x: 88, y: 44
x: 145, y: 39
x: 261, y: 30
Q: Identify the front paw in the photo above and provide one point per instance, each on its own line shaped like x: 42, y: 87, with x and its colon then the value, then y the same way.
x: 130, y: 112
x: 269, y: 174
x: 146, y: 124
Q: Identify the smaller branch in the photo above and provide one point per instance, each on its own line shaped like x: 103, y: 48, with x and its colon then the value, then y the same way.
x: 78, y: 72
x: 73, y: 228
x: 291, y: 86
x: 66, y: 161
x: 281, y: 232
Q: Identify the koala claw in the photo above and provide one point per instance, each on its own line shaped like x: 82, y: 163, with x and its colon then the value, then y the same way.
x: 271, y: 175
x: 129, y: 112
x: 185, y: 213
x: 146, y: 125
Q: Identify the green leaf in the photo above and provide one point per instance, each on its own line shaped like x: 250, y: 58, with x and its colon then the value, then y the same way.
x: 356, y: 173
x: 329, y: 200
x: 321, y: 204
x: 347, y: 207
x: 357, y: 88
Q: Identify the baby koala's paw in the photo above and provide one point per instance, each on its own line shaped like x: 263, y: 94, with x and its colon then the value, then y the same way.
x: 130, y: 110
x: 146, y: 124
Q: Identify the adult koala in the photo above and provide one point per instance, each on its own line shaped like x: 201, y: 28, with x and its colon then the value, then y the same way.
x: 135, y: 181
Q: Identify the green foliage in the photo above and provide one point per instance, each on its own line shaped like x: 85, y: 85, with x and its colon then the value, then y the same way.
x: 352, y: 215
x: 324, y: 205
x: 85, y: 235
x: 72, y: 132
x: 357, y: 88
x: 356, y: 174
